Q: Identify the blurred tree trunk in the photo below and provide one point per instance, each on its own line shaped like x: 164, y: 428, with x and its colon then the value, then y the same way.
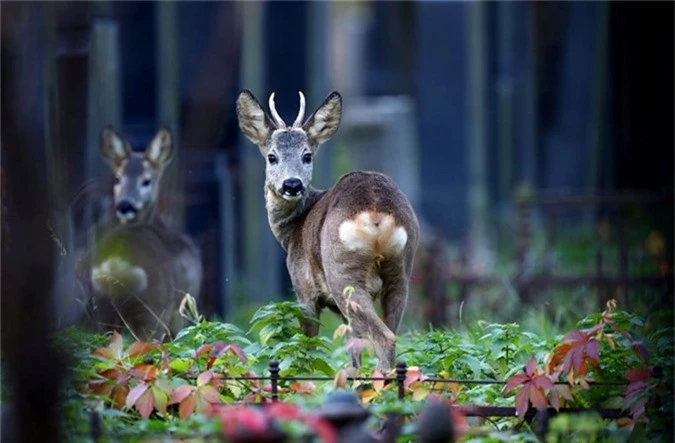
x: 104, y: 96
x: 168, y: 103
x: 261, y: 263
x: 477, y: 145
x: 32, y: 367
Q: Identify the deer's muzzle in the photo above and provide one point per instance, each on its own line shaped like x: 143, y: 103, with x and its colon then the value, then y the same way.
x: 292, y: 187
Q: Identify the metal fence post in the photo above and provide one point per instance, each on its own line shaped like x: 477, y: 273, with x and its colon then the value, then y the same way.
x: 401, y: 371
x: 95, y: 426
x: 274, y: 379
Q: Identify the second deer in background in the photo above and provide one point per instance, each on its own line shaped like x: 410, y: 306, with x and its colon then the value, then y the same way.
x: 136, y: 275
x: 346, y: 245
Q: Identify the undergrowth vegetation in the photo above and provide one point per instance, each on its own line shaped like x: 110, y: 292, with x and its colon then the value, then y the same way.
x: 184, y: 387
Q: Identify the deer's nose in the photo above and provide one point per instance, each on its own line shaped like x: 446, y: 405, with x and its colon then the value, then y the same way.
x: 292, y: 187
x: 126, y: 208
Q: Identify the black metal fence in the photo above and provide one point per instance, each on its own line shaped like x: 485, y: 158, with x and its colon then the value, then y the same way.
x: 394, y: 421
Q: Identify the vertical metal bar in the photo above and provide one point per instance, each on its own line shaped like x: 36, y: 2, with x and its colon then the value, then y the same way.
x: 599, y: 277
x: 524, y: 201
x: 95, y: 426
x: 274, y: 380
x: 623, y: 256
x: 463, y: 285
x: 401, y: 371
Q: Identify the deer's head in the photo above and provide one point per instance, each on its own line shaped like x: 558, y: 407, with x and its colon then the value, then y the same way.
x: 289, y: 151
x: 136, y: 174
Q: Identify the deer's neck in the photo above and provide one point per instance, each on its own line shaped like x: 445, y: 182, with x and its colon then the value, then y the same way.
x: 286, y: 216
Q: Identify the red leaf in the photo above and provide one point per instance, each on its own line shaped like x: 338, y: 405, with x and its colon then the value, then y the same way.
x: 638, y: 374
x: 114, y: 374
x: 210, y: 394
x: 236, y: 350
x: 104, y: 353
x: 593, y: 349
x: 378, y: 384
x: 203, y: 350
x: 521, y: 403
x: 140, y: 348
x: 639, y: 348
x: 577, y: 355
x: 145, y: 404
x: 531, y: 365
x: 514, y: 381
x: 413, y: 374
x: 144, y: 371
x: 186, y: 407
x: 180, y: 393
x: 574, y: 336
x: 118, y: 396
x: 559, y: 353
x: 554, y: 398
x: 135, y: 394
x: 542, y: 382
x: 204, y: 378
x: 537, y: 397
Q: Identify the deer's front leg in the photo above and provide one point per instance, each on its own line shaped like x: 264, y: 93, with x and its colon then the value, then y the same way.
x: 302, y: 278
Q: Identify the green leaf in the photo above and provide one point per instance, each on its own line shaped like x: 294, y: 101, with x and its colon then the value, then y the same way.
x: 180, y: 364
x: 269, y: 331
x: 324, y: 367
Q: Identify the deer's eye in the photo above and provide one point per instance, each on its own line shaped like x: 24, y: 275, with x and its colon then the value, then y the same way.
x: 145, y: 183
x: 307, y: 158
x: 272, y: 159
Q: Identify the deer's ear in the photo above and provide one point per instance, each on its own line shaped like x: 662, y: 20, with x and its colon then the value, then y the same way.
x: 114, y: 149
x: 253, y: 121
x: 325, y: 121
x: 160, y: 150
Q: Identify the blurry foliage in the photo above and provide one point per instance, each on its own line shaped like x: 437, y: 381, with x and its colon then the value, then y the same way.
x: 178, y: 388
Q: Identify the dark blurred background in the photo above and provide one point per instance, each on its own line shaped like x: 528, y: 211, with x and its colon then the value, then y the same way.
x: 523, y: 132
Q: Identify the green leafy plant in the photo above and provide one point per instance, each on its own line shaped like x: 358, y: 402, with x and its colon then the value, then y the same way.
x: 187, y: 386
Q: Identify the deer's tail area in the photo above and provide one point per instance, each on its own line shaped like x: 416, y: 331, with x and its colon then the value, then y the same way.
x: 375, y: 233
x: 117, y: 277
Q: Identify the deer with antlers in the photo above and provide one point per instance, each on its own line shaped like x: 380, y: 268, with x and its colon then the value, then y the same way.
x: 360, y: 234
x: 136, y: 275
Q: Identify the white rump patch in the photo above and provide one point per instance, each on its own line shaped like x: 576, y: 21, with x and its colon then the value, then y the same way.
x: 373, y: 232
x: 116, y: 276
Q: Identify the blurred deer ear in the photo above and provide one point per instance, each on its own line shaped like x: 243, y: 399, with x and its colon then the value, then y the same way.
x: 114, y: 149
x: 253, y: 121
x: 160, y: 150
x: 325, y: 121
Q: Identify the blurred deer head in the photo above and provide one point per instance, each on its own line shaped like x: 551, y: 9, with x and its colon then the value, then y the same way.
x: 136, y: 174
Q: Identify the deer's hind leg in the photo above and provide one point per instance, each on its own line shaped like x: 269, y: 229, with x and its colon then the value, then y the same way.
x: 395, y: 281
x: 357, y: 307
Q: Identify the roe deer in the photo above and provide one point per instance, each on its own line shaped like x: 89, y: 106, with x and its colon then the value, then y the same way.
x: 361, y: 233
x: 138, y: 272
